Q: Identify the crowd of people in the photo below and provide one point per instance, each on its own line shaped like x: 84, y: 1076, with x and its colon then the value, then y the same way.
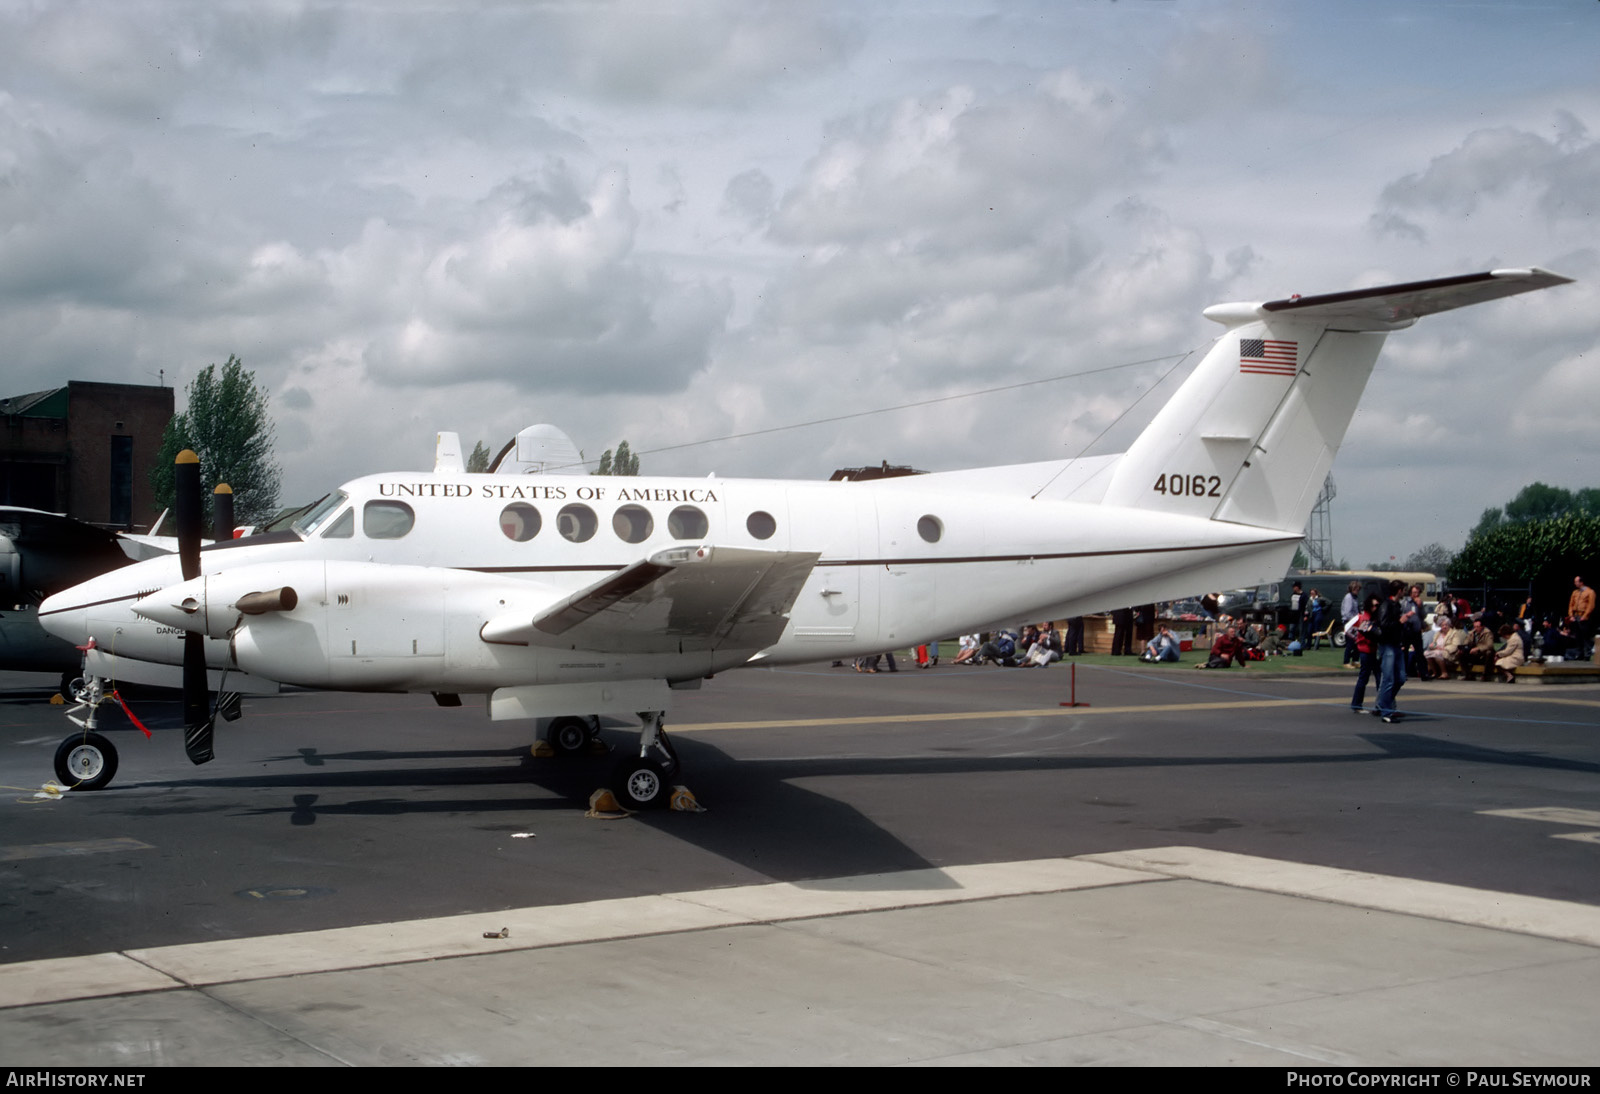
x: 1389, y: 637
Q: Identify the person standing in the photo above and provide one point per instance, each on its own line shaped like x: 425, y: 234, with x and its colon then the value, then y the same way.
x: 1359, y: 636
x: 1122, y: 632
x: 1391, y: 652
x: 1296, y: 615
x: 1349, y: 608
x: 1412, y: 609
x: 1580, y: 613
x: 1074, y: 636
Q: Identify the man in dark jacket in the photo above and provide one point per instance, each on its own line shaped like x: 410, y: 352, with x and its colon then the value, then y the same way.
x: 1391, y: 624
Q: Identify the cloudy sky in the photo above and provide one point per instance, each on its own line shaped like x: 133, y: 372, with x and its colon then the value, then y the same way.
x: 673, y: 222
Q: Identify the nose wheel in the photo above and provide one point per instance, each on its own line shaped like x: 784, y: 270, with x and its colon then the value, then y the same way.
x: 642, y: 779
x: 86, y: 761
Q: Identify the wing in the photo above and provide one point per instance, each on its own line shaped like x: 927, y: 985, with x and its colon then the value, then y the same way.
x: 681, y: 600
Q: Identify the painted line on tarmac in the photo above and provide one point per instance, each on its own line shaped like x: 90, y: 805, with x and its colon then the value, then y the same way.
x: 989, y: 715
x: 16, y: 852
x: 1562, y: 920
x: 225, y: 961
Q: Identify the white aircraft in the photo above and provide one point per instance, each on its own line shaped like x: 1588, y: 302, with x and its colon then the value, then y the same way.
x: 565, y: 596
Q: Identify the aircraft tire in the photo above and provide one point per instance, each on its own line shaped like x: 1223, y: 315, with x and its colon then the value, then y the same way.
x: 640, y: 784
x: 568, y: 736
x: 86, y: 761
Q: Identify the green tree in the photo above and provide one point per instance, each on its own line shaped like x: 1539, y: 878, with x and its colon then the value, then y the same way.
x: 624, y: 463
x: 1536, y: 501
x: 1488, y: 522
x: 1433, y: 559
x: 1300, y: 561
x: 1545, y: 554
x: 227, y: 424
x: 478, y: 461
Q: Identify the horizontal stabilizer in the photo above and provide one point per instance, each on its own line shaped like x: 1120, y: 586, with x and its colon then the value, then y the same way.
x: 681, y: 600
x: 1394, y: 305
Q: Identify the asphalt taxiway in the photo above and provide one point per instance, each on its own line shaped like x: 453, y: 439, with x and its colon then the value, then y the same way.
x: 940, y: 866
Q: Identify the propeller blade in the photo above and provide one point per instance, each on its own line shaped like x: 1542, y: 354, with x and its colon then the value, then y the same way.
x: 197, y: 722
x: 222, y: 513
x: 186, y: 503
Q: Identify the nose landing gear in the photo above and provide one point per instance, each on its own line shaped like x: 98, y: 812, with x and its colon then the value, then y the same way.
x: 86, y: 760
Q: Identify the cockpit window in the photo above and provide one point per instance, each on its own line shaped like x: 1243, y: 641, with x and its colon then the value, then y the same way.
x: 344, y: 527
x: 387, y: 519
x: 321, y: 512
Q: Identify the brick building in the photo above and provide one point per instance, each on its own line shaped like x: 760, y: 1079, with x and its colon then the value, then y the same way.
x: 85, y: 450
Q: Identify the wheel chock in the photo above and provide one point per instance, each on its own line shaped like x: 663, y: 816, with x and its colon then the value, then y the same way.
x: 683, y: 801
x: 541, y: 750
x: 603, y: 805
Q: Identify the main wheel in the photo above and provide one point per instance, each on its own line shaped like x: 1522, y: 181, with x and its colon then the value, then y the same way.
x: 86, y: 761
x: 640, y: 783
x: 568, y: 736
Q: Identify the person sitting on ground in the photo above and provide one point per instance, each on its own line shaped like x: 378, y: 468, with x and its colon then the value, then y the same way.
x: 999, y: 650
x: 1251, y: 634
x: 1275, y: 642
x: 1163, y: 647
x: 1512, y: 654
x: 1045, y: 649
x: 968, y: 650
x: 1225, y: 650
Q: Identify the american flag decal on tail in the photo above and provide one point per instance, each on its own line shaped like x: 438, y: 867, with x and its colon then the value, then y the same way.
x: 1269, y: 357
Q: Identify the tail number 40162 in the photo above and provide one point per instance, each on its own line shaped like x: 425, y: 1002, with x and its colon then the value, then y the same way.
x: 1189, y: 486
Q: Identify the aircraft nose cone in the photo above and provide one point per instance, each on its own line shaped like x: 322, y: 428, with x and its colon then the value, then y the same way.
x: 64, y: 616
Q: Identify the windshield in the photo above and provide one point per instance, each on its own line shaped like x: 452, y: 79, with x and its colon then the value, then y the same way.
x: 312, y: 520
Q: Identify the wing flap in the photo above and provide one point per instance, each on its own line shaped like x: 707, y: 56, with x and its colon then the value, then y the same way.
x: 682, y: 600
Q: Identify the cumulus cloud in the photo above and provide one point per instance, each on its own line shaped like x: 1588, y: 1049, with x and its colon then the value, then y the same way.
x: 1559, y: 176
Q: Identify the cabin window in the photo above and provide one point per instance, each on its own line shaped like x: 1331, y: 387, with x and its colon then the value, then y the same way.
x: 761, y: 525
x: 519, y: 521
x: 577, y: 523
x: 930, y: 528
x: 387, y: 519
x: 687, y: 522
x: 633, y: 523
x: 344, y: 527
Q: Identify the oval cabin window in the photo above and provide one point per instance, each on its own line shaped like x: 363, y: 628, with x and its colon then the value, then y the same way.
x: 633, y: 523
x: 577, y: 523
x: 761, y: 525
x: 519, y: 521
x: 687, y: 522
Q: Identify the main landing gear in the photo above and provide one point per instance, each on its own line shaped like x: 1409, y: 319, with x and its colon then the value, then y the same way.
x: 642, y: 778
x: 571, y: 735
x: 86, y: 760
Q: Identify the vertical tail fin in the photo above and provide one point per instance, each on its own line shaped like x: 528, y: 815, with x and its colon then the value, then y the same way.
x: 1250, y: 436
